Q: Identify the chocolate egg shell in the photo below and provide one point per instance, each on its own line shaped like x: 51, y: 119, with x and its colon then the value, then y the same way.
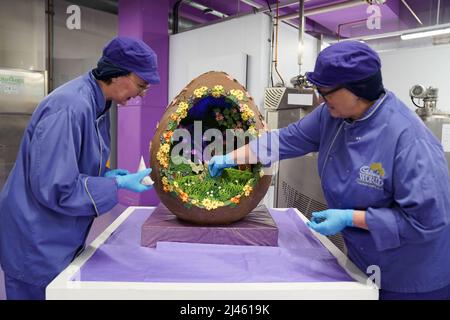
x: 192, y: 213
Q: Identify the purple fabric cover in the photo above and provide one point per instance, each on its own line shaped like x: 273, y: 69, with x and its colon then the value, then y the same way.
x: 256, y: 229
x: 299, y: 257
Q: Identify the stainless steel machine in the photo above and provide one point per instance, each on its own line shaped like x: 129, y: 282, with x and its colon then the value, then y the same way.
x: 436, y: 120
x: 286, y: 105
x: 20, y: 93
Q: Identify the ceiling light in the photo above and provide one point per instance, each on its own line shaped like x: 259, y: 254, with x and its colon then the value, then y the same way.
x: 371, y: 2
x: 430, y: 33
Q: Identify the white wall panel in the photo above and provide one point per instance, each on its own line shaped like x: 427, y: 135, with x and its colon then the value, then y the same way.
x: 288, y: 53
x: 429, y: 66
x: 197, y: 50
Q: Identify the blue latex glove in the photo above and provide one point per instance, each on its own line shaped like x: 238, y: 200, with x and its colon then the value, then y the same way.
x: 116, y: 172
x: 132, y: 181
x: 218, y: 163
x: 331, y: 221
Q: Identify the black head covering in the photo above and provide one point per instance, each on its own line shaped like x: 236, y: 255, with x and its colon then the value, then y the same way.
x: 106, y: 70
x: 370, y: 88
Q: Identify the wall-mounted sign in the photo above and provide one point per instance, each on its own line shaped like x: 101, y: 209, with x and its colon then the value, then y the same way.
x: 11, y: 84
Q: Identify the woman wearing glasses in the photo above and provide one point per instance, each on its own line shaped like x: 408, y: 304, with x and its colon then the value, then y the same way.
x: 60, y: 182
x: 383, y: 174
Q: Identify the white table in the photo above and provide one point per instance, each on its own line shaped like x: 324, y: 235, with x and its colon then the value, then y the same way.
x: 63, y: 287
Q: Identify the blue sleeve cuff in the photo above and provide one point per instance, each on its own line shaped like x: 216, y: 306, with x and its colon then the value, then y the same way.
x: 103, y: 193
x: 383, y: 228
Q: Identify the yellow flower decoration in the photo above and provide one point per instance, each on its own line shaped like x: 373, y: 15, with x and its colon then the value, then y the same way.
x: 175, y: 117
x: 163, y: 154
x: 217, y: 91
x: 211, y: 204
x: 165, y: 164
x: 247, y: 190
x: 165, y: 148
x: 237, y: 93
x: 182, y: 110
x: 200, y: 92
x: 252, y: 131
x: 166, y: 185
x: 246, y: 112
x: 183, y: 106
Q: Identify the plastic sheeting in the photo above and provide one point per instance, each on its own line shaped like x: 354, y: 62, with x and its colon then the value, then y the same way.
x: 299, y: 257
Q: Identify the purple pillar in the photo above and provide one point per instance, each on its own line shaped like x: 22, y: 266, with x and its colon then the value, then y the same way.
x: 148, y: 21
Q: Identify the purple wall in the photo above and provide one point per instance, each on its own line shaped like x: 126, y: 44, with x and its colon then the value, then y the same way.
x: 148, y: 21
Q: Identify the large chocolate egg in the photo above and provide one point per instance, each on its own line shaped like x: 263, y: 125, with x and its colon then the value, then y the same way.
x: 194, y: 127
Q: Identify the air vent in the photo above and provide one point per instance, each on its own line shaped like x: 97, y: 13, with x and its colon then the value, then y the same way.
x: 273, y: 96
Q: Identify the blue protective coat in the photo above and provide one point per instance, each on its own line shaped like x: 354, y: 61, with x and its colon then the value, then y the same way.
x: 56, y: 188
x: 389, y: 164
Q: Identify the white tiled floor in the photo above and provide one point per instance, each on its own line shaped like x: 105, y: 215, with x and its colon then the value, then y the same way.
x: 98, y: 227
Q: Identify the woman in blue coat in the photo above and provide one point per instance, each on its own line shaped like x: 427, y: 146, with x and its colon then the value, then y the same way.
x: 383, y: 173
x: 60, y: 182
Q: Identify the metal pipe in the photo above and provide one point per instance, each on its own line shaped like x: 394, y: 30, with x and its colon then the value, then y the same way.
x: 240, y: 15
x: 175, y: 10
x: 319, y: 43
x: 301, y: 32
x: 284, y: 5
x: 271, y: 50
x: 182, y: 23
x: 438, y: 11
x: 206, y: 9
x: 325, y: 9
x: 49, y: 10
x: 290, y: 23
x: 110, y: 6
x: 412, y: 12
x: 275, y: 61
x: 252, y: 3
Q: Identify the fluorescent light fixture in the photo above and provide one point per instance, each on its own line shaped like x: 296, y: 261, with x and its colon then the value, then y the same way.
x: 430, y: 33
x: 444, y: 28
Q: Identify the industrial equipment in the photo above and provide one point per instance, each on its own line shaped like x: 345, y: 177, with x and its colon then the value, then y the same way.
x: 20, y: 93
x: 436, y: 120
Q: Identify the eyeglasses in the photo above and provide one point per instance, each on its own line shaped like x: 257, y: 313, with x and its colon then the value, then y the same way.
x: 324, y: 94
x: 142, y: 89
